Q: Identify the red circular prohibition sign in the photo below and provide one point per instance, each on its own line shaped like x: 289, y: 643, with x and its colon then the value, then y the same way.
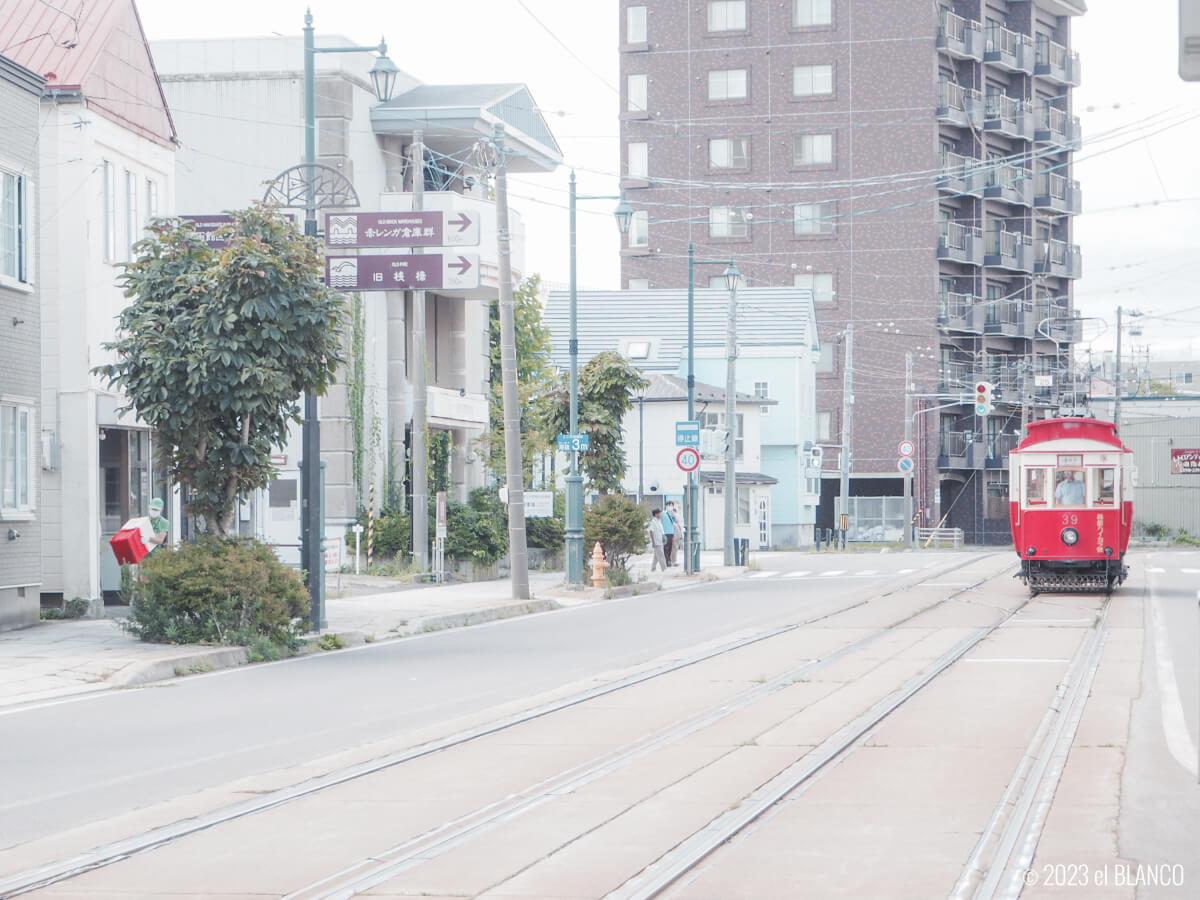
x: 688, y: 459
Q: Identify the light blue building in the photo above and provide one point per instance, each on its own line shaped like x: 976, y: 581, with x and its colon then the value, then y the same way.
x: 777, y: 357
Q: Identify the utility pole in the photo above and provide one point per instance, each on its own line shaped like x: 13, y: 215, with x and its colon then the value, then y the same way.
x: 731, y: 426
x: 420, y: 456
x: 908, y: 430
x: 847, y: 408
x: 517, y: 553
x: 1117, y: 377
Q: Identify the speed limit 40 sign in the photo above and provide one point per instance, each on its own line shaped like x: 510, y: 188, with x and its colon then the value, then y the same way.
x: 688, y: 459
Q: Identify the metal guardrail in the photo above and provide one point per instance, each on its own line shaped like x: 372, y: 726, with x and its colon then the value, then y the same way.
x: 953, y: 536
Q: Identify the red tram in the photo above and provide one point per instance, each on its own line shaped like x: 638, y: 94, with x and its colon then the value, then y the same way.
x: 1071, y: 486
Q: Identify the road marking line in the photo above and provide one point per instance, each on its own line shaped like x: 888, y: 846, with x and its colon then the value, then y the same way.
x: 867, y: 572
x: 834, y: 572
x: 1016, y: 659
x: 1190, y: 571
x: 763, y: 574
x: 906, y: 571
x: 1158, y: 571
x: 1179, y: 742
x: 797, y: 574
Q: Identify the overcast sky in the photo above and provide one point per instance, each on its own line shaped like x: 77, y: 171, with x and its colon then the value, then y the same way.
x: 1138, y: 165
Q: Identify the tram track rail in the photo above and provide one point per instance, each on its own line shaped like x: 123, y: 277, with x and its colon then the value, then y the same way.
x: 367, y: 873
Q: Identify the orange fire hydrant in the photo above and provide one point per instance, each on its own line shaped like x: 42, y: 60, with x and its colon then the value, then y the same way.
x: 599, y: 564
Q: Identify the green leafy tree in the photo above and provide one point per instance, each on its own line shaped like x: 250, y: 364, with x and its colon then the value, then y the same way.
x: 606, y: 386
x: 619, y: 525
x: 217, y: 347
x: 535, y: 377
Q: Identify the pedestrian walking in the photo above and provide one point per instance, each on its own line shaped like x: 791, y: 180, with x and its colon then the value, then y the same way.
x: 673, y: 554
x: 657, y: 538
x: 668, y: 527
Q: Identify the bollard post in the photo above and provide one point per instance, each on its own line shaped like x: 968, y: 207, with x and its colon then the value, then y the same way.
x: 370, y: 524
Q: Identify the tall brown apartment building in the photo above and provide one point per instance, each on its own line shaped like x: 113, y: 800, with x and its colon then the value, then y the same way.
x: 909, y: 161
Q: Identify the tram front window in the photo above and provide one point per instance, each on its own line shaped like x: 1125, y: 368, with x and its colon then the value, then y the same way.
x: 1035, y: 486
x: 1105, y: 486
x: 1069, y: 487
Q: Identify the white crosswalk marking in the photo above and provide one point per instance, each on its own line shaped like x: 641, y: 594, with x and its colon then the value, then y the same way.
x: 799, y: 574
x: 1159, y: 571
x: 834, y: 572
x: 763, y: 574
x: 906, y: 571
x: 1190, y: 571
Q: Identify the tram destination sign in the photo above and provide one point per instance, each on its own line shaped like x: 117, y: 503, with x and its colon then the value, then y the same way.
x: 408, y: 272
x: 423, y: 228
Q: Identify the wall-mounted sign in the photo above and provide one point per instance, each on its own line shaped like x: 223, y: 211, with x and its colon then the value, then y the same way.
x: 1185, y: 462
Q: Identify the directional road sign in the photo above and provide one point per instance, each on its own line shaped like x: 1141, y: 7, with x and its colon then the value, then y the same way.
x: 687, y: 434
x: 426, y: 228
x: 688, y: 459
x: 426, y: 272
x: 573, y: 442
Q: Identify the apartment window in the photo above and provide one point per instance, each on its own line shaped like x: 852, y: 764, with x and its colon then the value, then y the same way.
x: 638, y: 93
x: 16, y: 456
x: 14, y: 227
x: 637, y: 159
x: 811, y: 81
x: 824, y: 425
x: 151, y: 199
x: 812, y: 150
x: 639, y: 284
x: 727, y: 84
x: 727, y: 15
x: 812, y: 485
x: 727, y: 153
x: 639, y: 229
x: 110, y: 212
x: 133, y: 225
x: 761, y: 391
x: 811, y: 12
x: 635, y: 25
x: 820, y: 283
x: 727, y: 222
x: 812, y: 218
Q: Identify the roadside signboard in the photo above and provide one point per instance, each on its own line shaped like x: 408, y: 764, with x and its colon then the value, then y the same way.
x: 569, y: 443
x: 207, y: 225
x: 1185, y: 462
x: 408, y: 272
x: 688, y: 459
x: 687, y: 434
x: 424, y: 228
x: 539, y: 504
x: 441, y: 515
x: 906, y: 448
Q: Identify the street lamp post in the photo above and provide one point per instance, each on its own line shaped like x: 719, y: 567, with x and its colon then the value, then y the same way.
x: 732, y: 277
x: 383, y: 79
x: 691, y: 512
x: 574, y: 529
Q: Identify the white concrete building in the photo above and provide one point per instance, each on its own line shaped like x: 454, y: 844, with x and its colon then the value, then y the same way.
x: 106, y: 153
x: 240, y: 113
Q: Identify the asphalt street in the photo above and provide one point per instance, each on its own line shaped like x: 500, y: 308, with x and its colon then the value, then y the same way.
x: 100, y: 755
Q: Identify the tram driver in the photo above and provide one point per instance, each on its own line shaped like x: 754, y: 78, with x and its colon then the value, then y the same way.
x: 1070, y: 490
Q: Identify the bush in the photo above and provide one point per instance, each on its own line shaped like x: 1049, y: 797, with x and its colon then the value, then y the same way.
x: 219, y: 592
x: 477, y: 530
x: 545, y: 532
x: 619, y: 525
x: 393, y: 534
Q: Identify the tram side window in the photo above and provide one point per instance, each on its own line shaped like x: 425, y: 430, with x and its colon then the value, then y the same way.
x: 1069, y: 487
x: 1105, y: 482
x: 1035, y: 486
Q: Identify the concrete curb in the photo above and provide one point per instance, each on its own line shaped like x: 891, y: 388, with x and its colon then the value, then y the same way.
x: 192, y: 663
x: 479, y: 616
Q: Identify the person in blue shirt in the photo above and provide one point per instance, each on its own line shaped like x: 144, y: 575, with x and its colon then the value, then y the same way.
x: 668, y: 527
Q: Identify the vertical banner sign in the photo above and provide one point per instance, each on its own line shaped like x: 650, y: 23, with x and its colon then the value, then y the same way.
x: 441, y: 516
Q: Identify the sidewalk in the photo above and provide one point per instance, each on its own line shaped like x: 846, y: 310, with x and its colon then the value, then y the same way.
x: 57, y: 659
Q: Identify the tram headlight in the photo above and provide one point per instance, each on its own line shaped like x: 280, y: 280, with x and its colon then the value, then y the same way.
x: 1031, y: 551
x: 1070, y: 536
x: 1108, y: 551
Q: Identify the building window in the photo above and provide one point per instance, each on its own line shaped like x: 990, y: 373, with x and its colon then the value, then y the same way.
x: 110, y: 212
x: 811, y: 81
x: 635, y: 25
x: 812, y: 150
x: 813, y: 485
x: 824, y: 425
x: 717, y: 283
x: 760, y: 391
x: 727, y: 222
x: 811, y: 12
x: 812, y: 218
x: 133, y: 225
x: 820, y: 283
x: 728, y: 153
x: 14, y: 229
x: 637, y: 350
x: 637, y: 159
x: 727, y: 84
x: 727, y: 15
x: 639, y: 229
x: 639, y: 284
x: 151, y: 200
x: 16, y: 458
x: 638, y: 93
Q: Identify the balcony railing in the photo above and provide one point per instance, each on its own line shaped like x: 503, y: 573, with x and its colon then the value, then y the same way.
x: 961, y: 243
x: 1056, y: 126
x: 960, y: 37
x: 960, y: 174
x: 954, y: 443
x: 955, y: 377
x: 1009, y: 250
x: 1008, y: 49
x: 1056, y: 62
x: 1011, y: 183
x: 960, y: 105
x: 1056, y: 192
x: 952, y: 305
x: 1008, y: 115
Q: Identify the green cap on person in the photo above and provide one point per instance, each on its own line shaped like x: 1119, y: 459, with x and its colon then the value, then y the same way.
x: 156, y: 505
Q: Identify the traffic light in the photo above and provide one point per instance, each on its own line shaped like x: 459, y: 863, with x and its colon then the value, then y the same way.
x: 983, y: 398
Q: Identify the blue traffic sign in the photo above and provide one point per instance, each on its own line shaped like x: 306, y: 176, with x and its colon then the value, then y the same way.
x: 904, y: 464
x: 569, y: 443
x: 687, y: 434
